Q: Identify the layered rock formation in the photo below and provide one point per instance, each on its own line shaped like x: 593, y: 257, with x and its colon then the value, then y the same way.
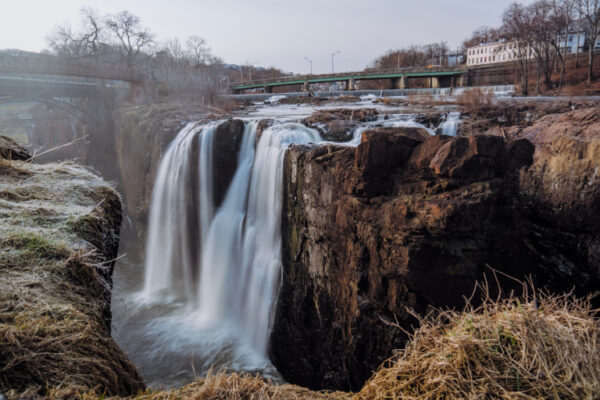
x: 403, y: 220
x: 562, y: 188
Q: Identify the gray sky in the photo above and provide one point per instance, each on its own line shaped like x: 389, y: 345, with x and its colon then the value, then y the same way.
x: 271, y: 32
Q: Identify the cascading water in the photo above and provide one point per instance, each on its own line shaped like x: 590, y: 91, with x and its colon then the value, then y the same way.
x: 450, y: 125
x: 168, y: 258
x: 212, y: 271
x: 241, y: 257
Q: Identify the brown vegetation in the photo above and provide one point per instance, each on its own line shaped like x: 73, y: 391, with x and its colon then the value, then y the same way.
x: 539, y: 347
x: 474, y: 100
x: 58, y: 235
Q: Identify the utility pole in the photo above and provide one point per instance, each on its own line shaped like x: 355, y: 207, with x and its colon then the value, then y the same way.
x: 310, y: 61
x: 332, y: 55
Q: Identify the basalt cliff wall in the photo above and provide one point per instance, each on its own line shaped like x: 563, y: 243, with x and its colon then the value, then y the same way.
x: 404, y: 220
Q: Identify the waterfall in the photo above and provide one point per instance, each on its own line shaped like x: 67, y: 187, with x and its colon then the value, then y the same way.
x: 169, y: 269
x: 232, y: 273
x: 450, y: 125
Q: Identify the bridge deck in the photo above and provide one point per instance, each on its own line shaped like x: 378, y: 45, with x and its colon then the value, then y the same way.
x: 346, y: 76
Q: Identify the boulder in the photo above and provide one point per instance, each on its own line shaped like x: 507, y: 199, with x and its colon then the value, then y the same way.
x: 338, y: 125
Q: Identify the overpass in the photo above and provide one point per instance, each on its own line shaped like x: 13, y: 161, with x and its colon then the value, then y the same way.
x: 26, y: 74
x: 436, y: 77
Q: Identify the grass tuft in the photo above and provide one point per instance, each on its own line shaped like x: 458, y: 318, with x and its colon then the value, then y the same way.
x: 543, y: 347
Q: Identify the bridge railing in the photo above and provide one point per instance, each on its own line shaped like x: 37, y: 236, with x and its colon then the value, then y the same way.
x: 348, y: 75
x: 45, y: 64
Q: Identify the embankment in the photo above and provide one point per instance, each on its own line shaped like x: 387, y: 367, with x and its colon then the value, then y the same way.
x: 59, y: 237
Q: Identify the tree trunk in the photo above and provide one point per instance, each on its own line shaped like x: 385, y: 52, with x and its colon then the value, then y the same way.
x: 562, y: 73
x: 590, y: 63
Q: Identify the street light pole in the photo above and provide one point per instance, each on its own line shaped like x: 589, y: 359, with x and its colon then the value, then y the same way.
x: 333, y: 54
x: 310, y: 61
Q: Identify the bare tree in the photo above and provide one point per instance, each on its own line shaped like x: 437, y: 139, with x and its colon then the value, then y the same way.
x: 175, y: 50
x: 578, y: 7
x: 562, y: 18
x: 65, y: 42
x: 544, y: 38
x: 133, y: 38
x: 590, y: 10
x: 516, y: 28
x: 198, y: 51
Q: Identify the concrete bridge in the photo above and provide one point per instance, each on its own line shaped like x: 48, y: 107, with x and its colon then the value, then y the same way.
x: 436, y: 77
x: 26, y: 74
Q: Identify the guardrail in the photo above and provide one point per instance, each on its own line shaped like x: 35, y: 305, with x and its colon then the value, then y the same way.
x: 371, y: 74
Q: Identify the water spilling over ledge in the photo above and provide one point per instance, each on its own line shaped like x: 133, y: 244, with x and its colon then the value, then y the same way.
x: 213, y: 254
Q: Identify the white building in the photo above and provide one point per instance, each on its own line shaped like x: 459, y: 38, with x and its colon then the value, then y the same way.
x: 492, y: 53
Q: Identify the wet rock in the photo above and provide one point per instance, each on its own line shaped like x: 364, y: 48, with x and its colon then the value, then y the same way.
x: 10, y: 150
x: 228, y: 140
x: 430, y: 120
x: 338, y: 125
x: 262, y: 126
x: 403, y: 220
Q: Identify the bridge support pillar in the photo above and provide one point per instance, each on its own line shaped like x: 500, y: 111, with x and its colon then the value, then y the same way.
x: 351, y: 85
x: 398, y: 83
x: 434, y: 82
x: 305, y: 87
x: 268, y: 89
x: 461, y: 80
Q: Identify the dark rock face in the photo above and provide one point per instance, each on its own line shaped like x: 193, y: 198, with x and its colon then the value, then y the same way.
x: 403, y: 220
x: 562, y: 189
x: 338, y: 125
x: 10, y: 150
x: 228, y: 140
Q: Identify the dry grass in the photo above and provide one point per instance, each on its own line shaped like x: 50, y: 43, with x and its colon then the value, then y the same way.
x: 54, y: 289
x: 474, y: 100
x: 532, y: 347
x: 223, y: 386
x: 541, y: 348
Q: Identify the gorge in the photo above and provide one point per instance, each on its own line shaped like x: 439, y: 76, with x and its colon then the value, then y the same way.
x: 303, y: 244
x: 355, y: 234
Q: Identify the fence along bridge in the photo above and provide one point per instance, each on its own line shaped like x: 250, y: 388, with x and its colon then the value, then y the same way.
x: 437, y: 77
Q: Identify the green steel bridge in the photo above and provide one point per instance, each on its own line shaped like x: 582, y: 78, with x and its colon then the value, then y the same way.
x: 437, y: 77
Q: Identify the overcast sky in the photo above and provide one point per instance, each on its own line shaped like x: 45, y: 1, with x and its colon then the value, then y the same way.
x: 271, y: 32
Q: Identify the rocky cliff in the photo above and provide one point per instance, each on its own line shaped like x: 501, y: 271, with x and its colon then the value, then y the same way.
x: 562, y: 188
x: 59, y: 237
x: 403, y: 220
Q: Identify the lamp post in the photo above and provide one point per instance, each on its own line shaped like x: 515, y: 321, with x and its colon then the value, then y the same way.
x: 250, y: 66
x: 332, y: 55
x: 310, y: 61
